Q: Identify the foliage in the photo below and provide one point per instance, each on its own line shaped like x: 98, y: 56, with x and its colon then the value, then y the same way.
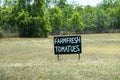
x: 56, y: 18
x: 37, y: 18
x: 75, y: 22
x: 29, y: 18
x: 89, y: 17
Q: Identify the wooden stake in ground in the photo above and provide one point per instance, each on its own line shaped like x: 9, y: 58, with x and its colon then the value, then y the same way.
x: 58, y: 57
x: 79, y: 56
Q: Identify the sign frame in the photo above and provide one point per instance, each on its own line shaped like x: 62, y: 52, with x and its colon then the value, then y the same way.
x: 67, y: 45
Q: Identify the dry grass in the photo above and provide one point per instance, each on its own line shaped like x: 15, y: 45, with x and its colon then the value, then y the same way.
x: 34, y: 59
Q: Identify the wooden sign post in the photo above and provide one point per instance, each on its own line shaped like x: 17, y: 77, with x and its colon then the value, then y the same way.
x: 67, y: 45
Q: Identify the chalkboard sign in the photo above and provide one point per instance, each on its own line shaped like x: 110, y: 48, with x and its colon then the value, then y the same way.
x: 67, y: 45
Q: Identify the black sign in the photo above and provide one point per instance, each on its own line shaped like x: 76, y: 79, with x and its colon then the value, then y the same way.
x: 67, y: 45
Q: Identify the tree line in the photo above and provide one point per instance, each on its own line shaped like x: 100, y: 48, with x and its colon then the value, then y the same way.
x: 39, y: 18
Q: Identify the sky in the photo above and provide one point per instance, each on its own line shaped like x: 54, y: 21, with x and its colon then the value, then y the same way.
x: 86, y: 2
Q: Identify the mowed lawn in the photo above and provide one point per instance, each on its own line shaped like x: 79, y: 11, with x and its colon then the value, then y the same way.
x: 34, y: 59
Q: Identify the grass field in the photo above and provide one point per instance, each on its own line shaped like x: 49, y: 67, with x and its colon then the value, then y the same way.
x: 34, y: 59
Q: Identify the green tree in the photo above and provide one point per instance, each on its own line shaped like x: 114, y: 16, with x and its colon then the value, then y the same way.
x: 66, y: 13
x: 5, y: 17
x: 32, y: 19
x: 89, y: 18
x: 41, y: 20
x: 55, y: 18
x: 61, y: 3
x: 117, y: 17
x: 76, y: 22
x: 102, y: 21
x: 110, y: 13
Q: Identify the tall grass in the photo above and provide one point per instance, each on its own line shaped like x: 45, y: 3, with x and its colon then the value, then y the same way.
x: 34, y: 59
